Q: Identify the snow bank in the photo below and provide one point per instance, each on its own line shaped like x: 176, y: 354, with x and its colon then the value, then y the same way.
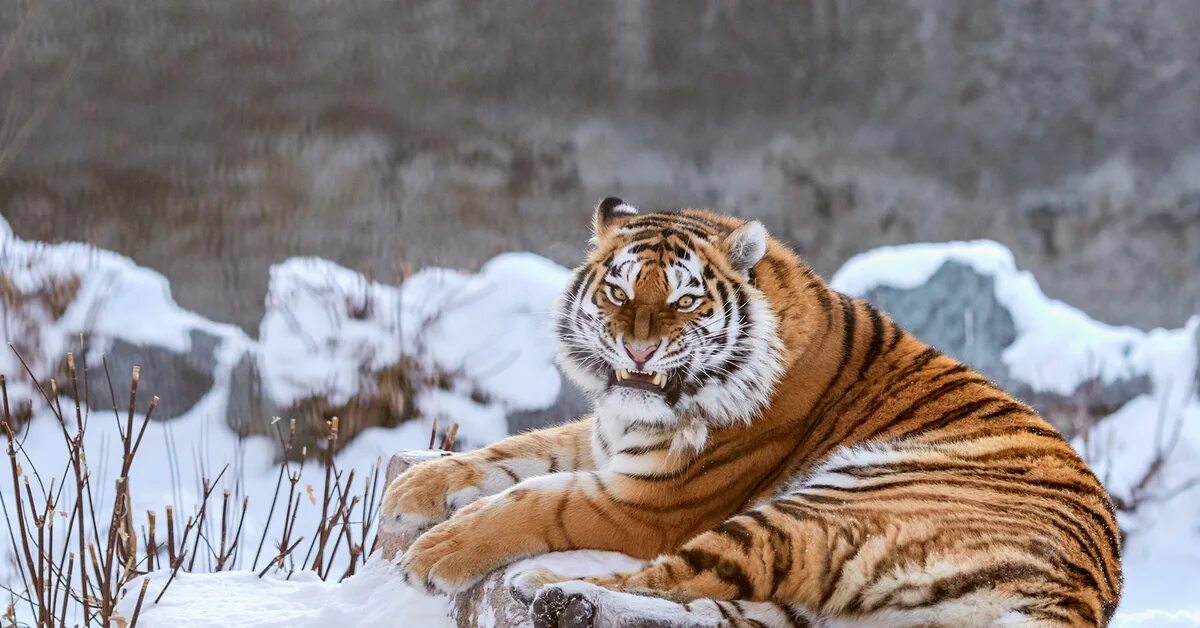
x: 494, y: 326
x: 376, y: 596
x: 106, y: 296
x: 325, y: 326
x: 486, y: 338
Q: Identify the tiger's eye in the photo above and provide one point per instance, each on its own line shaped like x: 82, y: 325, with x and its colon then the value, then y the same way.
x: 685, y: 302
x: 618, y: 296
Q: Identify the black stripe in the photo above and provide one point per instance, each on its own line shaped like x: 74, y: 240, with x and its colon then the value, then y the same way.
x: 515, y: 478
x: 737, y: 532
x: 961, y: 584
x: 951, y: 416
x: 923, y: 402
x: 645, y: 449
x: 897, y: 333
x: 876, y: 340
x: 728, y: 571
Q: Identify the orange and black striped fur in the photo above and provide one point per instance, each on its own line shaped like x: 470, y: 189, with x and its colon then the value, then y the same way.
x: 780, y: 454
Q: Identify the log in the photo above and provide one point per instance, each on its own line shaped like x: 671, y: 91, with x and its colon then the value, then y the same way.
x: 487, y: 603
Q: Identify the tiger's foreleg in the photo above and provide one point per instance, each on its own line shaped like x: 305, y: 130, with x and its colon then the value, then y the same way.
x: 430, y: 492
x: 582, y: 510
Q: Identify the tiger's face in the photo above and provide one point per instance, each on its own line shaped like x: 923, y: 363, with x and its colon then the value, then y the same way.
x: 662, y: 324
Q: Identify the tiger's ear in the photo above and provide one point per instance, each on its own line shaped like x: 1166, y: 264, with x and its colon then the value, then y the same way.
x: 745, y: 245
x: 608, y: 212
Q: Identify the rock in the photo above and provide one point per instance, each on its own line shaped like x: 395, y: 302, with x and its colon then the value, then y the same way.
x: 179, y: 379
x: 571, y: 404
x: 956, y: 310
x: 249, y: 409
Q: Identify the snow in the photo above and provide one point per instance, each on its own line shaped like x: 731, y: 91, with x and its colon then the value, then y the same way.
x: 374, y: 597
x: 495, y: 326
x: 1157, y: 619
x: 317, y: 308
x: 1161, y: 557
x: 116, y: 299
x: 328, y: 328
x: 492, y: 328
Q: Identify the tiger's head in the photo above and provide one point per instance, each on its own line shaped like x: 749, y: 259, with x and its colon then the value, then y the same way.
x: 663, y: 325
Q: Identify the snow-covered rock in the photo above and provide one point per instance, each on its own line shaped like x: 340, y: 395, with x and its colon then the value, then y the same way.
x: 55, y: 293
x: 970, y: 300
x: 445, y: 345
x: 331, y: 341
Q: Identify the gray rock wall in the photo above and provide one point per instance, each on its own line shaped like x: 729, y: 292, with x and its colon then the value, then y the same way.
x: 208, y: 139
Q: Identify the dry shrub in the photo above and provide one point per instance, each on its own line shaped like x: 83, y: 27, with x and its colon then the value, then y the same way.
x: 100, y: 555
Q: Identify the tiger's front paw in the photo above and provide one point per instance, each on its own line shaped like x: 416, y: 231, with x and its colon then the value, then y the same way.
x: 455, y: 554
x: 428, y: 493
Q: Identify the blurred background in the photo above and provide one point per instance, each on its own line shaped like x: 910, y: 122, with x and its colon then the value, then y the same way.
x: 210, y: 139
x: 311, y: 209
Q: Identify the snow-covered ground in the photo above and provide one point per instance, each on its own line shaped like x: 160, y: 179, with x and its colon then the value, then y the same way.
x: 326, y: 327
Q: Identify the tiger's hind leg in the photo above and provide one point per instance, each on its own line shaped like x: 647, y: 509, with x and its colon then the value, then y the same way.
x: 578, y: 604
x: 827, y: 559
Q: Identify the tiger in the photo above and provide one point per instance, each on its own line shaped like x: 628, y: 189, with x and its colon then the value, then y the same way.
x: 779, y: 454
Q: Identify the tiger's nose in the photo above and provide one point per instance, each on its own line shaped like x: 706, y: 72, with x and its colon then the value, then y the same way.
x: 640, y: 352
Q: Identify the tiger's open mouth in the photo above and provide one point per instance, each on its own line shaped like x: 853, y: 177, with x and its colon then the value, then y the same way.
x: 646, y: 380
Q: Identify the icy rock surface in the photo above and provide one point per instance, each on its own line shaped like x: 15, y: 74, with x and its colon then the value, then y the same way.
x: 957, y: 311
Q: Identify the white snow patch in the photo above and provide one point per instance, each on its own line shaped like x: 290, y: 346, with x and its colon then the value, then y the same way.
x: 376, y: 596
x: 1157, y: 619
x: 328, y: 328
x: 116, y: 299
